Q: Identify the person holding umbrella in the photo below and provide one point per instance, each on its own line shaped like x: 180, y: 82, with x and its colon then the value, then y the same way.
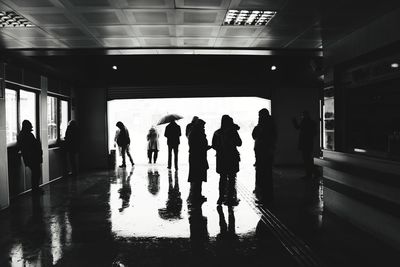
x: 172, y: 133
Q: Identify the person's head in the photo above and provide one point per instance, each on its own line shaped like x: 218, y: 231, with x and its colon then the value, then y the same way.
x: 199, y: 124
x: 226, y: 122
x: 27, y: 126
x: 120, y: 125
x: 263, y: 113
x: 195, y: 118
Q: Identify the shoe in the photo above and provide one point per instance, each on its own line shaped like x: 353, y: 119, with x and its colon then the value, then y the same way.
x: 122, y: 166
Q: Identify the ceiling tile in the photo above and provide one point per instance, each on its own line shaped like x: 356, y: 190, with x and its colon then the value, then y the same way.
x: 196, y: 42
x: 65, y: 32
x: 24, y: 32
x: 155, y: 30
x: 240, y: 31
x: 29, y: 3
x: 197, y: 31
x: 150, y: 3
x: 121, y: 42
x: 111, y: 31
x: 101, y: 17
x: 89, y: 3
x: 12, y: 43
x: 304, y: 44
x: 202, y: 17
x: 46, y: 43
x: 81, y: 43
x: 154, y: 42
x: 204, y: 4
x: 258, y: 4
x: 233, y: 42
x: 150, y: 16
x: 270, y: 43
x: 48, y: 19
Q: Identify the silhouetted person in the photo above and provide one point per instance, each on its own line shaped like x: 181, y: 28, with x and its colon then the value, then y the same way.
x: 173, y: 208
x: 173, y: 132
x: 154, y: 181
x: 72, y: 145
x: 32, y: 154
x: 225, y: 141
x: 123, y: 141
x: 189, y: 127
x: 198, y: 164
x: 307, y: 131
x: 125, y: 191
x: 152, y: 145
x: 264, y: 135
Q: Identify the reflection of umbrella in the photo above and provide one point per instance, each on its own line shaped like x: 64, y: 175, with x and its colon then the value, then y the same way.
x: 168, y: 118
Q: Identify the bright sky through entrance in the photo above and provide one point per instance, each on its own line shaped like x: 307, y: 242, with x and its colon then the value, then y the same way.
x: 140, y: 114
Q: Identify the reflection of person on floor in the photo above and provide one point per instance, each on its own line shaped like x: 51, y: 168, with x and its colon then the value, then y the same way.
x: 227, y: 231
x: 174, y: 203
x: 72, y: 145
x: 198, y: 224
x: 225, y: 141
x: 32, y: 153
x: 264, y: 135
x: 123, y: 141
x: 173, y: 132
x: 198, y: 165
x: 307, y: 131
x: 154, y: 181
x: 125, y: 191
x: 152, y: 145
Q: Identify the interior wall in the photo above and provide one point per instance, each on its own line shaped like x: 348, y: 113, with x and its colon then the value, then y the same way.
x: 286, y: 104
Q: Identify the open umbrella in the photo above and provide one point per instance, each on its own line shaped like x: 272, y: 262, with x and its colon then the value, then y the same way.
x: 169, y: 118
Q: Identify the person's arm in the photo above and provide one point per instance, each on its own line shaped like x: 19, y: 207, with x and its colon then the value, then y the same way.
x: 254, y: 133
x: 238, y: 139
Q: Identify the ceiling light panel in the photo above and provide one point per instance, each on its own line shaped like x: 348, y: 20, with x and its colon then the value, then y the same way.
x: 13, y: 20
x: 248, y: 17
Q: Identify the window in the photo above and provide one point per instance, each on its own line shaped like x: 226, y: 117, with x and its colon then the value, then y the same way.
x: 52, y: 121
x: 63, y: 118
x: 27, y: 102
x: 11, y: 116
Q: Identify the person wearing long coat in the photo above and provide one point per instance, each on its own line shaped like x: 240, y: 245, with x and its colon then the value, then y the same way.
x: 264, y: 135
x: 225, y: 142
x: 152, y: 145
x: 198, y: 164
x: 72, y: 145
x: 32, y: 154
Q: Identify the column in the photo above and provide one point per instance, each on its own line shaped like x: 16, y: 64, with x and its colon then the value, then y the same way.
x: 43, y: 128
x: 4, y: 189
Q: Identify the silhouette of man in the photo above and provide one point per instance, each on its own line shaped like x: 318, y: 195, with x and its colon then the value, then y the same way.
x: 307, y: 131
x: 32, y: 154
x: 123, y: 141
x: 264, y: 135
x: 172, y: 133
x: 72, y: 145
x: 189, y: 127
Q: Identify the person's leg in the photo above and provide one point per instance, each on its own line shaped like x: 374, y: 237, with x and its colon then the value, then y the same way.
x: 232, y: 195
x: 169, y: 156
x: 176, y: 157
x: 222, y: 188
x: 123, y: 151
x: 149, y: 152
x: 129, y: 155
x: 35, y: 177
x: 155, y: 156
x: 72, y: 161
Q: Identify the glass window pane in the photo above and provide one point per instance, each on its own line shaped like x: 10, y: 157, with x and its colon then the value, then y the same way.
x: 28, y: 108
x: 52, y: 118
x: 63, y: 118
x: 11, y: 116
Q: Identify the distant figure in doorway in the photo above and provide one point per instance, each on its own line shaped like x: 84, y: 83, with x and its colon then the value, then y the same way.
x: 198, y: 164
x: 172, y: 133
x: 189, y: 127
x: 152, y: 145
x: 123, y: 141
x: 32, y: 154
x: 264, y: 135
x: 307, y: 131
x: 72, y: 145
x: 225, y: 141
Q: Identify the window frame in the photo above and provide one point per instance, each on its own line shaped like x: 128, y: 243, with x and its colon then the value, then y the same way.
x: 17, y: 88
x: 57, y: 142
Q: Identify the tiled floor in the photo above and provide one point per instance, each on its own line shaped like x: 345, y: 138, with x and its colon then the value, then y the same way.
x: 141, y: 217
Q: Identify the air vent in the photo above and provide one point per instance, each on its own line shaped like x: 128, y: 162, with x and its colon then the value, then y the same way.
x: 248, y: 17
x: 12, y: 19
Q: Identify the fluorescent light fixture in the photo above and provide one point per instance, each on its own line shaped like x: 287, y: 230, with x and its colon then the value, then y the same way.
x: 114, y: 67
x: 248, y: 17
x: 394, y: 65
x: 359, y: 150
x: 273, y: 67
x: 12, y: 19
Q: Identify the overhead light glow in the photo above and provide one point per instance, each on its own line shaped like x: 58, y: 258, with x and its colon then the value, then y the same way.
x: 248, y: 18
x: 394, y: 65
x: 273, y: 67
x: 12, y: 19
x: 114, y: 67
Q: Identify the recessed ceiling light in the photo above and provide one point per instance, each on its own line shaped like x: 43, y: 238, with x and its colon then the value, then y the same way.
x: 248, y: 18
x: 12, y: 19
x: 273, y: 67
x: 114, y: 67
x: 394, y: 65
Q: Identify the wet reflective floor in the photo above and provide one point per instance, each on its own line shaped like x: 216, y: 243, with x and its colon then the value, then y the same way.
x: 142, y: 217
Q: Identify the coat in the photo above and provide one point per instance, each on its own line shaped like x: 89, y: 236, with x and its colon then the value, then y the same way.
x: 172, y: 132
x: 72, y: 139
x: 198, y: 164
x: 225, y: 142
x: 152, y: 138
x: 31, y: 148
x: 122, y: 137
x: 264, y: 135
